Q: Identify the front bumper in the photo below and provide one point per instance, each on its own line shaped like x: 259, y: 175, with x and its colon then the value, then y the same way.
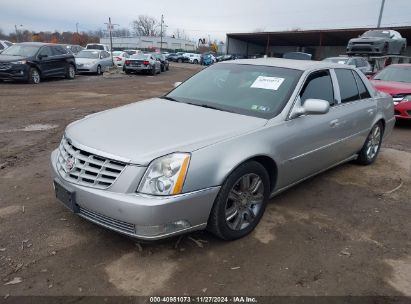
x: 81, y: 68
x: 15, y: 72
x: 141, y: 216
x: 402, y: 110
x: 365, y: 49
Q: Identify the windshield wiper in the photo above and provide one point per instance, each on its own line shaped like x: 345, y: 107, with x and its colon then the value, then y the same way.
x: 208, y: 107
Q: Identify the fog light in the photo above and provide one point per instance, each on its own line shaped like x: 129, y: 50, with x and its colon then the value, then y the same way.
x: 162, y: 229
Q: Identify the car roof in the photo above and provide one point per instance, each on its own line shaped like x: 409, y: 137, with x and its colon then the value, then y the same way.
x: 37, y: 43
x: 92, y: 50
x: 301, y: 65
x: 400, y: 64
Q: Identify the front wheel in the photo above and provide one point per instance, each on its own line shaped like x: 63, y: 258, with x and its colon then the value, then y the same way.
x: 98, y: 70
x: 241, y: 202
x: 372, y: 145
x: 34, y: 76
x: 195, y: 61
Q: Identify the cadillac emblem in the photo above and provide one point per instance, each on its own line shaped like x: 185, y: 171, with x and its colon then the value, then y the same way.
x: 70, y: 163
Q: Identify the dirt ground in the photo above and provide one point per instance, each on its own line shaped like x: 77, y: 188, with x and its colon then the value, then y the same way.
x: 344, y: 232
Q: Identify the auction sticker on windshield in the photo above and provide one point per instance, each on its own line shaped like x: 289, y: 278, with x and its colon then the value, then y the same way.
x: 267, y: 83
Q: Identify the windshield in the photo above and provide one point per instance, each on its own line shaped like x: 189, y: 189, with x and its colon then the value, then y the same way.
x: 88, y: 54
x: 395, y: 73
x: 253, y: 90
x: 95, y: 47
x: 380, y: 34
x: 21, y: 50
x: 336, y: 60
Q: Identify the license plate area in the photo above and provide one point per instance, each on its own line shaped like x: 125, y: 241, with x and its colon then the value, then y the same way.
x: 67, y: 197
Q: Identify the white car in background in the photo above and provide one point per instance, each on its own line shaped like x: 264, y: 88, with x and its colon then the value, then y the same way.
x: 4, y: 44
x: 194, y: 58
x: 119, y: 57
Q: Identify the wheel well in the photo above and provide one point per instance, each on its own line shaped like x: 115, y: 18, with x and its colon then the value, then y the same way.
x: 383, y: 124
x: 270, y: 166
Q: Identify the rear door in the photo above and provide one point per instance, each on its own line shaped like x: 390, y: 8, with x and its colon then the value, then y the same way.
x: 356, y: 110
x: 60, y: 55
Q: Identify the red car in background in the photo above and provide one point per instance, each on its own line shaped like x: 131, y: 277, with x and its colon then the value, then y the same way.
x: 395, y: 80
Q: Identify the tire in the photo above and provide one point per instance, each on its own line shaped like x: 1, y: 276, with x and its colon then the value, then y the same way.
x: 163, y: 68
x: 180, y: 60
x: 98, y: 72
x: 372, y: 145
x: 34, y: 76
x: 195, y: 61
x: 167, y: 67
x: 127, y: 71
x: 159, y: 70
x: 70, y: 72
x: 153, y: 71
x: 234, y: 215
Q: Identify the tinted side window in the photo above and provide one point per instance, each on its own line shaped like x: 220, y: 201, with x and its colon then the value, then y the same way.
x: 318, y: 86
x: 348, y: 86
x: 1, y: 46
x: 361, y: 87
x: 46, y: 50
x: 8, y: 43
x: 58, y: 50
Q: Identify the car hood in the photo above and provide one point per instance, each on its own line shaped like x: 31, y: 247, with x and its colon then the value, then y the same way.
x: 142, y: 131
x: 368, y: 39
x: 392, y: 87
x: 86, y: 60
x: 8, y: 58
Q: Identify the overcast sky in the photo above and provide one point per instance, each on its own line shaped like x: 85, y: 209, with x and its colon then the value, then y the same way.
x: 200, y: 19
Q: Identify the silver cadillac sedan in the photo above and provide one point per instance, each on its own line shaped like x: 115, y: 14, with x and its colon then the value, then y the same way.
x: 213, y: 151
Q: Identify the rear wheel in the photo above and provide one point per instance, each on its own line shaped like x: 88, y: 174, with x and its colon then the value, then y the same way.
x: 153, y: 71
x: 71, y: 72
x: 34, y: 76
x: 167, y: 67
x: 127, y: 71
x: 163, y: 68
x: 195, y: 61
x: 372, y: 145
x: 180, y: 60
x: 241, y: 202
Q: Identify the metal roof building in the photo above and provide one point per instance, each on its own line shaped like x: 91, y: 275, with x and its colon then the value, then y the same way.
x: 319, y: 43
x: 147, y: 42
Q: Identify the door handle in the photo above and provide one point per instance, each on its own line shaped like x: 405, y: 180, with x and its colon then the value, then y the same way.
x: 334, y: 123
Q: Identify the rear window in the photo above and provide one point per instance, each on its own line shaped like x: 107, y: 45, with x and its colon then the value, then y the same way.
x: 95, y: 47
x: 140, y: 56
x: 348, y: 85
x: 362, y: 90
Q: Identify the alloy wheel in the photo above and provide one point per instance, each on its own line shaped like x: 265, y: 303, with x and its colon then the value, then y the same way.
x: 35, y: 76
x: 374, y: 142
x: 244, y: 201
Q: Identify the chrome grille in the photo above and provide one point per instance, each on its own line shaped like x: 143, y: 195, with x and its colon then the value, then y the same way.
x: 84, y: 168
x: 108, y: 221
x: 5, y: 66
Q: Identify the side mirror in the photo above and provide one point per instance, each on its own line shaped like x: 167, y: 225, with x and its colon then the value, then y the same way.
x: 313, y: 107
x: 176, y: 84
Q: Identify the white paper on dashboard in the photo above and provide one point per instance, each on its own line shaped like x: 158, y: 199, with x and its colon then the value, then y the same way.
x: 268, y: 83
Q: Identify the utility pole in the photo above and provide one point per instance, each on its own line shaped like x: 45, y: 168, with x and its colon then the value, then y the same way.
x: 380, y: 16
x: 110, y: 28
x: 77, y: 27
x: 17, y: 32
x: 161, y: 33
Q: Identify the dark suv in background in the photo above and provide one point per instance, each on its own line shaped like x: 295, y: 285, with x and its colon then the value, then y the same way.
x: 33, y: 61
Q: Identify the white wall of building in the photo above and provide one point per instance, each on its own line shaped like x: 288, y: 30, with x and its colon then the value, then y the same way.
x: 149, y: 42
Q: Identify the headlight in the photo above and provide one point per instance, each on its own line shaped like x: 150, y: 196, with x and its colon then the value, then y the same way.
x: 406, y: 98
x: 165, y: 175
x: 19, y: 62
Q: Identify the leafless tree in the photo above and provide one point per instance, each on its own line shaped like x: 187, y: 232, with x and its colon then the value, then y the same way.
x: 146, y: 26
x: 180, y: 34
